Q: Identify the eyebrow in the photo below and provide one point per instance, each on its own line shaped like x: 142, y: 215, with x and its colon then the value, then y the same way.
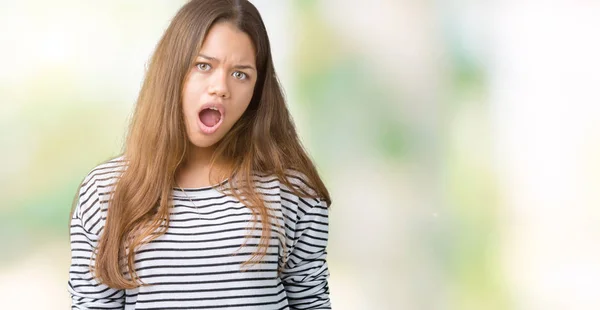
x: 217, y: 60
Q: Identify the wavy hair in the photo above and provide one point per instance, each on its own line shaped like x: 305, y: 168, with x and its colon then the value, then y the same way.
x: 263, y: 141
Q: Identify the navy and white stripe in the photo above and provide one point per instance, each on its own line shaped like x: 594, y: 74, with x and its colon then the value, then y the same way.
x: 197, y: 263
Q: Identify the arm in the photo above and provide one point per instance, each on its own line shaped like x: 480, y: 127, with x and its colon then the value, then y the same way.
x: 86, y: 223
x: 305, y: 273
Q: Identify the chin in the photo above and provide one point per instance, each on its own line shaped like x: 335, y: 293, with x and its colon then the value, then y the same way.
x: 204, y: 142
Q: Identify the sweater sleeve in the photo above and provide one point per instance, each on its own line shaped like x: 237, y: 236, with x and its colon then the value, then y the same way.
x: 86, y: 224
x: 305, y: 273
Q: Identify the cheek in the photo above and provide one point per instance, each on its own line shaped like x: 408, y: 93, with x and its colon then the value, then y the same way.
x: 242, y: 102
x: 247, y: 95
x: 188, y: 109
x: 193, y: 86
x: 190, y: 95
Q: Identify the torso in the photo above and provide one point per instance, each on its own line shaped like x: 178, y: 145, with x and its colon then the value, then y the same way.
x: 199, y: 261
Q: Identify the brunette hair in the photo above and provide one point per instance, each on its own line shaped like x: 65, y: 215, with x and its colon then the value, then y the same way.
x: 262, y: 142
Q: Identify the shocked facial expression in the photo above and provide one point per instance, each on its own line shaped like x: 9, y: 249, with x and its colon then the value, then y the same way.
x: 220, y: 84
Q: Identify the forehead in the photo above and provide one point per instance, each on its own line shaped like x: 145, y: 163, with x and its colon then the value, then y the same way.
x: 226, y: 42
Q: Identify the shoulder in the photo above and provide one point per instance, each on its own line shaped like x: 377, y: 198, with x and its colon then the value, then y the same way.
x: 105, y: 171
x: 299, y: 181
x: 95, y: 191
x: 296, y: 197
x: 293, y: 182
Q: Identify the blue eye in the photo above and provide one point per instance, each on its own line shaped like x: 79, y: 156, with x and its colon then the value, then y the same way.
x: 203, y: 66
x: 240, y: 75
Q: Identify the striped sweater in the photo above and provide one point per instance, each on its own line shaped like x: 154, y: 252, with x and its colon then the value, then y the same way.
x: 197, y: 263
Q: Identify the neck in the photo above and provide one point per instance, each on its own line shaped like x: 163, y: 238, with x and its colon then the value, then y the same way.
x: 199, y: 157
x: 195, y: 170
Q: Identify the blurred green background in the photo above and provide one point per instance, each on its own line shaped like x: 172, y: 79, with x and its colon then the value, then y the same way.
x: 459, y: 140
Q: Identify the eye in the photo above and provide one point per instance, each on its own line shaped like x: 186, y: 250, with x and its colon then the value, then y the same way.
x: 240, y: 75
x: 203, y: 66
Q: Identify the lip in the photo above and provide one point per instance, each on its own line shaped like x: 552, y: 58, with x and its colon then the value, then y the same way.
x: 214, y: 104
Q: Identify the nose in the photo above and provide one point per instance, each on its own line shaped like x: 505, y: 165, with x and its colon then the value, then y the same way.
x: 218, y: 85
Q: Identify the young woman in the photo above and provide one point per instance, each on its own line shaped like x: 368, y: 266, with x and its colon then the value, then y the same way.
x: 214, y: 203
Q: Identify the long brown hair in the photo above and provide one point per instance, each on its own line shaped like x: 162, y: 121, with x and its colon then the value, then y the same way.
x: 263, y: 141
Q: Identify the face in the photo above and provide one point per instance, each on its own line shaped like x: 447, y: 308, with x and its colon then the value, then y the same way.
x: 220, y: 84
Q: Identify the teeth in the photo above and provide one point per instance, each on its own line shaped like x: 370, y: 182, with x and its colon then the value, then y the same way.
x: 214, y: 108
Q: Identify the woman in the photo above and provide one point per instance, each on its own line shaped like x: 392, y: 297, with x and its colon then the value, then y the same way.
x: 179, y: 220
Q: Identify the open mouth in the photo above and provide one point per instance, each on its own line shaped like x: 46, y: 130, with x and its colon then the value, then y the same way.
x: 210, y: 119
